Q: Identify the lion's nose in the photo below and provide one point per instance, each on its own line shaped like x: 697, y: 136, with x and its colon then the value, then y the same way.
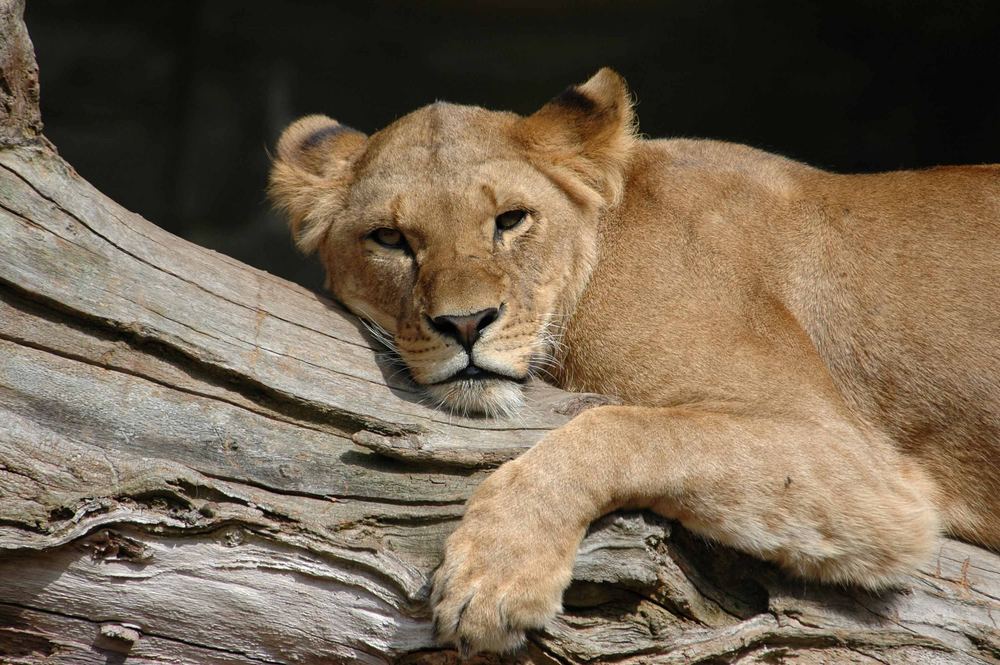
x: 465, y: 329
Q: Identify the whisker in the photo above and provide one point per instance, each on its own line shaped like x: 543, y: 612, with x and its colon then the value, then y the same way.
x: 381, y: 335
x: 401, y: 372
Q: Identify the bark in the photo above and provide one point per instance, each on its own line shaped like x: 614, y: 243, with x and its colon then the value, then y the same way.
x: 200, y: 462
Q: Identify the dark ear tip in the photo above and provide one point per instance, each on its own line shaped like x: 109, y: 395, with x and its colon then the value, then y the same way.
x: 314, y: 142
x: 608, y: 74
x: 605, y: 89
x: 322, y: 134
x: 307, y: 133
x: 291, y: 139
x: 606, y: 83
x: 575, y: 99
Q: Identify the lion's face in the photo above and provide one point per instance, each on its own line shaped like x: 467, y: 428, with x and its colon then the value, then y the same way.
x: 462, y: 251
x: 464, y: 235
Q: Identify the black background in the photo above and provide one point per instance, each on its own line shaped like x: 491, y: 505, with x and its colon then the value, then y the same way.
x: 168, y: 107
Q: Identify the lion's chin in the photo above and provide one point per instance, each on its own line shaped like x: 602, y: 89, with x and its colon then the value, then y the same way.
x: 495, y: 398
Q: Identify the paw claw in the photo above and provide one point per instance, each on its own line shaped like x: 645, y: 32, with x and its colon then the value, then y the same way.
x: 464, y: 648
x: 461, y: 612
x: 501, y: 577
x: 486, y: 595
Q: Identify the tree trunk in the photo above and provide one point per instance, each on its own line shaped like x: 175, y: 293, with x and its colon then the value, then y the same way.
x: 203, y: 463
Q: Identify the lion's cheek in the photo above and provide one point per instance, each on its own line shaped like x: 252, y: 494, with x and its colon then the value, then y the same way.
x: 366, y: 302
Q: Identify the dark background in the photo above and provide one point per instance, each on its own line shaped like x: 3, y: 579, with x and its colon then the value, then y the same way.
x: 168, y: 107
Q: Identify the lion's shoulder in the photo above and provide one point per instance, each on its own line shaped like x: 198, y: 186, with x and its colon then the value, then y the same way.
x: 728, y: 163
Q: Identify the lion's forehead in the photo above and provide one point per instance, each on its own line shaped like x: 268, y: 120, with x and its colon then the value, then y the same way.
x: 443, y: 120
x: 410, y: 179
x: 447, y: 159
x: 446, y: 130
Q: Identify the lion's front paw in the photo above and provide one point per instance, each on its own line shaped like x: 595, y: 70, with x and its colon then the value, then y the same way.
x: 503, y: 574
x: 492, y: 587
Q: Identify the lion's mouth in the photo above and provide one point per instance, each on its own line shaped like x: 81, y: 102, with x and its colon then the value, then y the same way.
x: 473, y: 372
x: 477, y: 391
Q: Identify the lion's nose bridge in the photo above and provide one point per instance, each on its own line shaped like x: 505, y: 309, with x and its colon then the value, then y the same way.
x: 461, y: 290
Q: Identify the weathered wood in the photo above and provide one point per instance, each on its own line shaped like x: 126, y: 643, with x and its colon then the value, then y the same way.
x: 20, y: 118
x: 202, y: 463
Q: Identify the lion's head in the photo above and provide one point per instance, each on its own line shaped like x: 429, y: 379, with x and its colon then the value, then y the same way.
x: 465, y: 235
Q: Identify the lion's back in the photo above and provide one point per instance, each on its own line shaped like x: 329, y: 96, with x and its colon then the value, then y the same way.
x: 904, y: 305
x: 894, y: 278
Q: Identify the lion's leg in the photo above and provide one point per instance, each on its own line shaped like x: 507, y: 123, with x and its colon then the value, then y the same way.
x: 819, y: 498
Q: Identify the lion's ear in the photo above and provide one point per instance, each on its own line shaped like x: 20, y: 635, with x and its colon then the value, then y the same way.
x: 588, y: 130
x: 311, y: 173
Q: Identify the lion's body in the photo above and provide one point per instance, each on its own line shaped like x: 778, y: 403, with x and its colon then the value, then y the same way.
x: 732, y: 275
x: 809, y: 362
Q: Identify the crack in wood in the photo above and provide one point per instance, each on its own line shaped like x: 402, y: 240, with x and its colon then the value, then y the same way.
x: 273, y: 404
x: 167, y: 638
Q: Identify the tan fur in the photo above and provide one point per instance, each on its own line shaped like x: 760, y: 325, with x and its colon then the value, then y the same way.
x: 810, y: 362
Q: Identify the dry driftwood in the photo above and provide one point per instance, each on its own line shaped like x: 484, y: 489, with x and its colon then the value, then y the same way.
x: 200, y: 462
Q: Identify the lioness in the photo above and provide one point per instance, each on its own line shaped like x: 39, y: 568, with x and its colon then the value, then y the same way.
x: 809, y: 362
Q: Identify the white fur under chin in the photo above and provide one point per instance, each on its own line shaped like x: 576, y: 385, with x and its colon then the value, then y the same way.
x: 495, y: 398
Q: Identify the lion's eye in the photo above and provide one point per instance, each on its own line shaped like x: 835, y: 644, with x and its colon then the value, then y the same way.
x: 505, y: 221
x: 390, y: 238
